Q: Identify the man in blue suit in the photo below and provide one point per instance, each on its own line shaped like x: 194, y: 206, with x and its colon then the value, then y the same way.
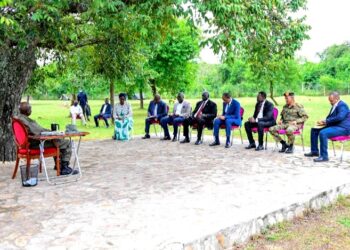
x: 337, y: 123
x: 105, y: 113
x: 230, y: 116
x: 157, y: 109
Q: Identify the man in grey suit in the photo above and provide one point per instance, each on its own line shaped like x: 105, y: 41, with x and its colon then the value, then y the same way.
x: 182, y: 110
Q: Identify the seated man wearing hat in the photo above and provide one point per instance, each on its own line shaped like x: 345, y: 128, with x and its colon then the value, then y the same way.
x: 34, y: 128
x: 293, y: 116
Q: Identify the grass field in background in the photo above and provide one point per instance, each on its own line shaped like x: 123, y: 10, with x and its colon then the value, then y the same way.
x: 47, y: 112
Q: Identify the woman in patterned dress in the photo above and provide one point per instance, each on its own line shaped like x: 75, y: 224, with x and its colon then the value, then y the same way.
x: 123, y: 119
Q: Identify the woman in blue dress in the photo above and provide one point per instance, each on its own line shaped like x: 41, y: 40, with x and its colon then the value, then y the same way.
x: 123, y: 119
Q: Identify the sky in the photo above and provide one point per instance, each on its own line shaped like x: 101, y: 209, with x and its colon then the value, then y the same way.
x: 330, y: 24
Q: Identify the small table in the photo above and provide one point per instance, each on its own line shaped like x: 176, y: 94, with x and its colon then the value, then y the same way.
x: 75, y: 149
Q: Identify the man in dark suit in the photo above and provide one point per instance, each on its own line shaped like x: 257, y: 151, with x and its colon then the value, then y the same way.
x: 203, y: 115
x: 83, y: 102
x: 230, y: 116
x: 262, y: 118
x: 105, y: 113
x: 337, y: 123
x: 157, y: 109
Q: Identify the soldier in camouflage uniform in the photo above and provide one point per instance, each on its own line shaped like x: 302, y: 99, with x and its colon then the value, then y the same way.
x: 35, y: 129
x: 293, y: 116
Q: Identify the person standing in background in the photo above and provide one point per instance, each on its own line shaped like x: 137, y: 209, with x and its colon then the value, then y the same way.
x: 83, y: 101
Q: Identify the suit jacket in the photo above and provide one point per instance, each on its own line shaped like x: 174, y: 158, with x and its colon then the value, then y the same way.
x: 210, y: 109
x: 161, y: 109
x: 267, y: 112
x: 108, y: 109
x: 340, y: 116
x: 186, y: 109
x: 82, y: 99
x: 233, y: 112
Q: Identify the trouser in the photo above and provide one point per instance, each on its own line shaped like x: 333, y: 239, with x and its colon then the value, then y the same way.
x: 83, y: 107
x: 75, y: 116
x: 174, y: 120
x: 228, y: 124
x: 324, y: 134
x: 290, y: 129
x: 104, y: 117
x: 261, y: 126
x: 64, y: 145
x: 200, y: 122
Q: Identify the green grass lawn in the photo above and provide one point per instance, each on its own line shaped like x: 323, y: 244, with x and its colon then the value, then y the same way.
x: 47, y: 112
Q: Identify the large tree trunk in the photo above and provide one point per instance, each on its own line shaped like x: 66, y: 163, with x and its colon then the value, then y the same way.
x: 153, y: 86
x: 111, y: 97
x: 271, y: 94
x: 16, y: 68
x: 141, y: 99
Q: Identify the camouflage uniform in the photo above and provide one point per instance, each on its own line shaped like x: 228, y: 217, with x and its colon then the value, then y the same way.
x: 290, y: 114
x: 35, y: 129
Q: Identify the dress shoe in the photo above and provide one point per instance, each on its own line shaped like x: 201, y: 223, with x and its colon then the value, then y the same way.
x: 284, y: 147
x: 174, y: 139
x: 166, y: 138
x: 259, y: 148
x: 250, y: 146
x: 186, y: 140
x: 312, y: 154
x: 290, y: 149
x: 113, y: 137
x: 215, y: 143
x: 66, y: 170
x: 146, y: 137
x: 228, y: 145
x: 198, y: 142
x: 320, y: 159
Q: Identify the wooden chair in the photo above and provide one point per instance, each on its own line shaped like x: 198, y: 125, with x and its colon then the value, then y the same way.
x: 21, y: 137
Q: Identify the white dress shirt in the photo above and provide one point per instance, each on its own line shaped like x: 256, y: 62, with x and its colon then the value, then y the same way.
x: 155, y: 112
x: 226, y: 108
x: 335, y: 106
x: 178, y: 109
x: 261, y: 112
x: 104, y: 109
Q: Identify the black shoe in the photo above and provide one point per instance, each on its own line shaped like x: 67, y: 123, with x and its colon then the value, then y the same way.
x: 228, y: 145
x: 250, y: 146
x: 284, y: 147
x: 166, y: 138
x: 215, y: 143
x: 113, y: 137
x: 66, y: 170
x: 198, y: 142
x: 146, y: 137
x: 312, y: 154
x: 290, y: 149
x: 186, y: 140
x: 259, y: 148
x: 174, y: 139
x: 320, y: 159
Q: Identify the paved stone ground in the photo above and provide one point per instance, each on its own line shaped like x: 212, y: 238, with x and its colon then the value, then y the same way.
x: 152, y: 194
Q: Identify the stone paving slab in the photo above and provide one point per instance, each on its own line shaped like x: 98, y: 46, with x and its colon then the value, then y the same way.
x: 153, y: 195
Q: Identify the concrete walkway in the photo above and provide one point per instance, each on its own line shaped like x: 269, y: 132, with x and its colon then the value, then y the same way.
x: 160, y: 195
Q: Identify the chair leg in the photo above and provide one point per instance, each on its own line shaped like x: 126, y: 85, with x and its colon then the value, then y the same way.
x: 334, y: 149
x: 155, y: 129
x: 178, y: 133
x: 302, y: 140
x: 265, y: 141
x: 16, y: 168
x: 240, y: 132
x: 342, y: 152
x: 58, y: 167
x: 232, y: 131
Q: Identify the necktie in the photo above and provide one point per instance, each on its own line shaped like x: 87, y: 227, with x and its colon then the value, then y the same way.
x: 200, y: 110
